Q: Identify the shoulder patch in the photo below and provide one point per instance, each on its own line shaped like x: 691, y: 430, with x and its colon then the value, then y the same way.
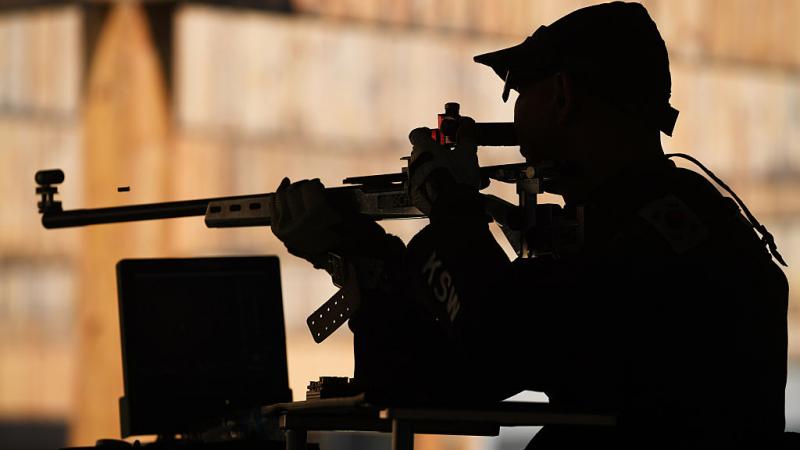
x: 675, y: 222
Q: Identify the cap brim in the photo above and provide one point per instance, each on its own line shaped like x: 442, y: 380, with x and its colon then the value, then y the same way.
x: 525, y: 61
x: 501, y: 60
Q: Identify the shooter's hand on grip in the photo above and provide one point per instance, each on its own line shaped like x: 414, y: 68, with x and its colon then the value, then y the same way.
x: 311, y: 226
x: 434, y: 169
x: 305, y: 221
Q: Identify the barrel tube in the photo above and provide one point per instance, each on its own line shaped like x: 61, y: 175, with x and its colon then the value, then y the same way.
x: 496, y: 134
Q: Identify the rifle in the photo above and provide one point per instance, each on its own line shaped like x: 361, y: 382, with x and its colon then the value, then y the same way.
x: 377, y: 196
x: 380, y: 197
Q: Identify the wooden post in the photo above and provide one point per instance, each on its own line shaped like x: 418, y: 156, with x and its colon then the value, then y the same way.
x: 126, y: 131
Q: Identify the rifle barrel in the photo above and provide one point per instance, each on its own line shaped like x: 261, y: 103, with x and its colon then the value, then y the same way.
x: 377, y: 196
x: 129, y: 213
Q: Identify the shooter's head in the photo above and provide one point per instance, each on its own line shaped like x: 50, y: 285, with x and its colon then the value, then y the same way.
x: 598, y: 74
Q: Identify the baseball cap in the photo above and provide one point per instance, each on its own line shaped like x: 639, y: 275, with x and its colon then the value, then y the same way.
x: 614, y: 47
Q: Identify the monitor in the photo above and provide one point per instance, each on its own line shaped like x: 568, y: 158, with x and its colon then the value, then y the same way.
x: 202, y: 339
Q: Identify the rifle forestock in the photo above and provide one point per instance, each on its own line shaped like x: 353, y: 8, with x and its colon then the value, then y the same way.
x: 384, y: 202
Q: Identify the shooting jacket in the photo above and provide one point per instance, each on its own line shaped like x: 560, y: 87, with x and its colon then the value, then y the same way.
x: 672, y: 314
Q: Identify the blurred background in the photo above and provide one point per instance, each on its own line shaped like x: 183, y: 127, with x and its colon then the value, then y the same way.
x: 196, y: 99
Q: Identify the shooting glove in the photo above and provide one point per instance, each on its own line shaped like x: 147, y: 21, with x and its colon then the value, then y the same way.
x: 435, y: 168
x: 311, y: 226
x: 304, y: 220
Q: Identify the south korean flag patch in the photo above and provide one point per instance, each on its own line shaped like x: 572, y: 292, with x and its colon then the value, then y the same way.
x: 675, y: 222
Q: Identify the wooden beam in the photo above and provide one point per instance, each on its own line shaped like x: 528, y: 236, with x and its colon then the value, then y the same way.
x: 126, y: 131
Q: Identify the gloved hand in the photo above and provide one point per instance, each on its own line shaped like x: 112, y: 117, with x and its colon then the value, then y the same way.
x: 304, y: 220
x: 433, y: 167
x: 311, y: 226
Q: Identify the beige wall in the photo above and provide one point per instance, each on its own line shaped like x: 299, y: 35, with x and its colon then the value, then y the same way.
x: 329, y: 93
x: 39, y: 128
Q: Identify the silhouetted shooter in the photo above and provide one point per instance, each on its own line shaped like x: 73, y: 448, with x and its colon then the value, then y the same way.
x: 672, y: 311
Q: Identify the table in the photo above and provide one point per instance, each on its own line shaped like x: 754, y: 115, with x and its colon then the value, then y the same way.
x: 296, y: 419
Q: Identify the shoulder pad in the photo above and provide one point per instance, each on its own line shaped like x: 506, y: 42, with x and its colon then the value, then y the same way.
x: 675, y: 222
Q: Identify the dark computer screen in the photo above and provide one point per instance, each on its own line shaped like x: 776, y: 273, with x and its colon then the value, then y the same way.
x: 202, y: 338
